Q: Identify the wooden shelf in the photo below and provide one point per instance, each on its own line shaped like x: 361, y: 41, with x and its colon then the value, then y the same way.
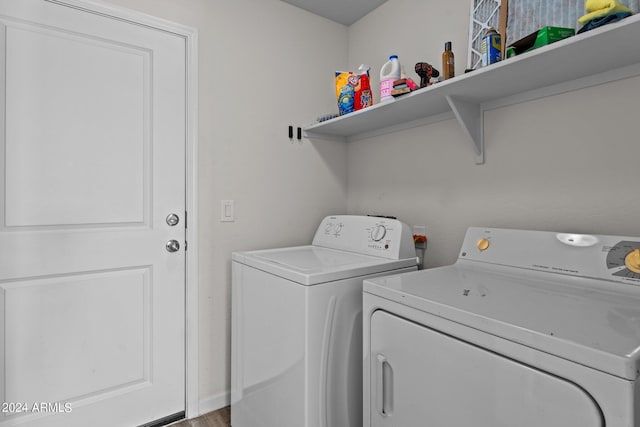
x: 598, y: 56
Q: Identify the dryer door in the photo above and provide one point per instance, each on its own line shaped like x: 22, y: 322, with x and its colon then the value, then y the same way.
x: 422, y: 377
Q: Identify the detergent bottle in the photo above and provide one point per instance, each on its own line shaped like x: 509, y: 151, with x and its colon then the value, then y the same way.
x: 389, y: 73
x: 364, y: 97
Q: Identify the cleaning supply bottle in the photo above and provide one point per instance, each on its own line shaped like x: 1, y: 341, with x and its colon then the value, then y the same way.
x: 448, y: 62
x: 389, y: 73
x: 364, y: 97
x: 491, y: 47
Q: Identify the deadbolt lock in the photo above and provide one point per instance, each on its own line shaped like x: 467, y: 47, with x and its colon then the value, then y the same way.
x: 173, y: 219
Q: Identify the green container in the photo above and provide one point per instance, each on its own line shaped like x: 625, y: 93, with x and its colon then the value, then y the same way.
x: 542, y: 37
x: 548, y: 35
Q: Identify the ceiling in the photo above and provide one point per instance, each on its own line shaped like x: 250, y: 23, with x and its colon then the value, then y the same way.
x: 342, y: 11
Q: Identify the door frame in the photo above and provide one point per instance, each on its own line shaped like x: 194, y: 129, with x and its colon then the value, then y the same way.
x: 190, y: 36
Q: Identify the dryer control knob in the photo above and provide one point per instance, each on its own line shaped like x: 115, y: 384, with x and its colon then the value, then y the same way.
x: 483, y: 244
x: 632, y: 261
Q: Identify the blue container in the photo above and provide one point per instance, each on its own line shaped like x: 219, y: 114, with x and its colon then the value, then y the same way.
x: 491, y: 47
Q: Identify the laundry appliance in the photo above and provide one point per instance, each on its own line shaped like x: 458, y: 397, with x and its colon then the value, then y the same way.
x: 296, y: 323
x: 526, y: 329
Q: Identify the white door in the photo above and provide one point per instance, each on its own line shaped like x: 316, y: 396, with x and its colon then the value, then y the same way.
x: 92, y: 161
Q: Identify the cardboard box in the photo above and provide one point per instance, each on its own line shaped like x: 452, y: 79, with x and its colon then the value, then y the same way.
x: 542, y: 37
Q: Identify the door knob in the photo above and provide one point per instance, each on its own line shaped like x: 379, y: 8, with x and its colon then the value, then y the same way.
x: 173, y: 246
x: 173, y: 219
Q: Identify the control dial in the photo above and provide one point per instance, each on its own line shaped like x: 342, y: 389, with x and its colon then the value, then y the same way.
x: 483, y: 244
x: 378, y: 233
x: 632, y: 261
x: 624, y: 257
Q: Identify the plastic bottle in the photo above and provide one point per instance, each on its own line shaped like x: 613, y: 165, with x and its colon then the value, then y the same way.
x: 364, y: 97
x: 389, y: 73
x: 448, y: 62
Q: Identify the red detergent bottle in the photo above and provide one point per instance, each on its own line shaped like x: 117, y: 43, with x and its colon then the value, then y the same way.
x: 364, y: 97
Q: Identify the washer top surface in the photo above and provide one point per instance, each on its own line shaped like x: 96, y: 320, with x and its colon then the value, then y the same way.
x: 315, y: 259
x: 311, y: 265
x: 344, y: 246
x: 594, y: 321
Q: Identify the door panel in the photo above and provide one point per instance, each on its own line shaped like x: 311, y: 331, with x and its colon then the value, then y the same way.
x: 92, y: 160
x: 420, y: 376
x: 68, y: 163
x: 113, y: 352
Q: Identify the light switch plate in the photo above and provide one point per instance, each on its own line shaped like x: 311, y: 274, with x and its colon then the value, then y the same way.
x: 227, y: 213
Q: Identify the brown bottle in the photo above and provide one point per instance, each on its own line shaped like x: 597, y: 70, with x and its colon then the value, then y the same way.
x: 448, y: 62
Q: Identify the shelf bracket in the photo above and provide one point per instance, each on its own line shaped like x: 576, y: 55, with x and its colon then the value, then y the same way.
x: 469, y: 116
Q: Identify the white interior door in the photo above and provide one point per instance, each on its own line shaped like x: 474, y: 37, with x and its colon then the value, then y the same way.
x: 92, y: 160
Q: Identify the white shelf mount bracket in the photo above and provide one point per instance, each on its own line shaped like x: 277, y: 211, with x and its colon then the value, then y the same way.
x: 469, y: 116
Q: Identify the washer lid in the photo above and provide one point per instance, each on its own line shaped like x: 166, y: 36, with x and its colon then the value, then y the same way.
x: 592, y: 322
x: 310, y: 265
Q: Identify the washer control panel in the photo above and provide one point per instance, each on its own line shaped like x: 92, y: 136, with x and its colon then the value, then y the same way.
x: 380, y: 236
x: 370, y: 235
x: 614, y: 258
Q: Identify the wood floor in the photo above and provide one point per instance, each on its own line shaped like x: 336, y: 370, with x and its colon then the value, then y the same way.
x: 219, y: 418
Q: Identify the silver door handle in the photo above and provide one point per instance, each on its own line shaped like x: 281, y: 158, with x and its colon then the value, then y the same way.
x: 173, y: 246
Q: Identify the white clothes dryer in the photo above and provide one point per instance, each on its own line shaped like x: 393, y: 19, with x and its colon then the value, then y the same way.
x: 526, y: 329
x: 296, y: 323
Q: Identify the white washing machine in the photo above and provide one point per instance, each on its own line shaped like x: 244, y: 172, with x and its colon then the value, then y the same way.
x: 296, y: 323
x: 526, y: 329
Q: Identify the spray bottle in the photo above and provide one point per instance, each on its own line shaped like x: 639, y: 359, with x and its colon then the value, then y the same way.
x: 364, y: 97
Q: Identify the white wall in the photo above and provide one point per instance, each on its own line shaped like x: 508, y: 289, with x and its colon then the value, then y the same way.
x: 415, y: 30
x: 260, y: 64
x: 569, y: 162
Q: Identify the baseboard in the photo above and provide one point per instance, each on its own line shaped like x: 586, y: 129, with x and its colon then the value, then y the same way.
x: 215, y: 402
